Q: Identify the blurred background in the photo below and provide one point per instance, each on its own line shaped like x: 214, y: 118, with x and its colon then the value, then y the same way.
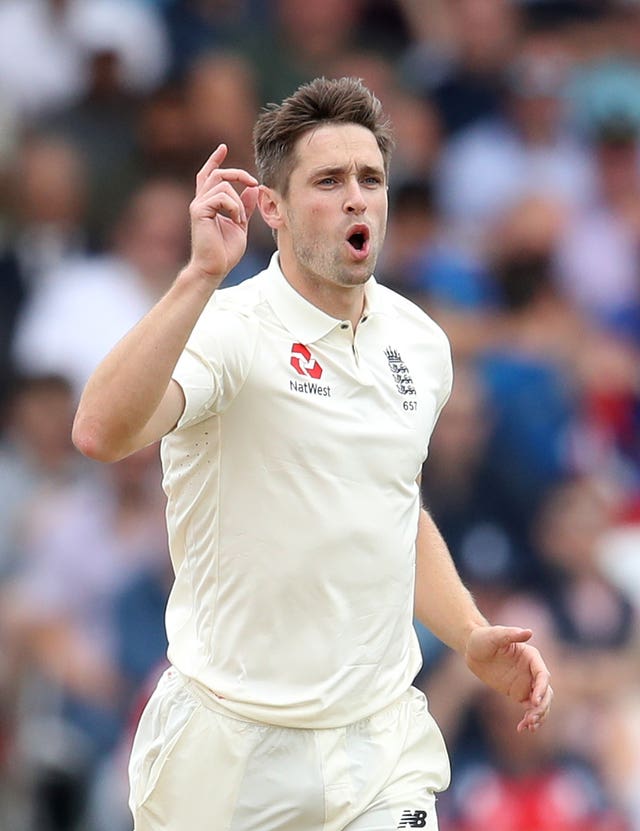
x: 515, y: 222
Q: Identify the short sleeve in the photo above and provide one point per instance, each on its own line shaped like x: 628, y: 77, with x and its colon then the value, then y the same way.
x: 215, y: 362
x: 447, y: 377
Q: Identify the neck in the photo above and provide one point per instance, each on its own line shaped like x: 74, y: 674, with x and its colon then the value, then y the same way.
x: 343, y: 302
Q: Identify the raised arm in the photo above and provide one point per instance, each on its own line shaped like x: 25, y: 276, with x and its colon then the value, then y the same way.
x: 130, y: 400
x: 499, y: 655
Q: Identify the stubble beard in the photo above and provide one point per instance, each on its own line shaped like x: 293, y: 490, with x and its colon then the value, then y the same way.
x: 325, y: 264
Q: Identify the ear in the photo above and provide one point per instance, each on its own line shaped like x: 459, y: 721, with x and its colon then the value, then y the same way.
x: 271, y: 206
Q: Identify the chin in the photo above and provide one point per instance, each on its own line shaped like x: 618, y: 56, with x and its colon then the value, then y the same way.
x: 354, y: 277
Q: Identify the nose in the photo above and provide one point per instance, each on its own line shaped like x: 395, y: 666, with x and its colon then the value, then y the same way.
x: 355, y: 202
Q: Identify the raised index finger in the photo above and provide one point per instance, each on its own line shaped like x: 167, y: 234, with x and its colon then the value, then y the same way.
x: 214, y: 161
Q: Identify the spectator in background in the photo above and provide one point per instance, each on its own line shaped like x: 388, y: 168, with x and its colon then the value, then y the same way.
x: 513, y: 787
x: 8, y: 148
x: 88, y: 303
x: 459, y: 59
x: 606, y: 80
x: 596, y: 366
x: 85, y: 543
x: 77, y: 68
x: 198, y: 27
x: 417, y: 260
x: 525, y: 354
x: 36, y: 459
x: 484, y: 526
x: 47, y: 201
x: 102, y: 126
x: 502, y: 783
x: 541, y: 360
x: 41, y: 68
x: 304, y: 40
x: 597, y: 256
x: 418, y: 136
x: 141, y: 648
x: 598, y: 629
x: 126, y: 56
x: 45, y: 44
x: 526, y: 150
x: 221, y: 101
x: 163, y: 140
x: 36, y: 455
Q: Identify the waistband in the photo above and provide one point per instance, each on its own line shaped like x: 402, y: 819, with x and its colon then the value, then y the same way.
x: 216, y: 703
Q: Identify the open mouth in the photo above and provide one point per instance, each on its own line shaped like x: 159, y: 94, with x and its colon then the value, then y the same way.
x: 358, y: 239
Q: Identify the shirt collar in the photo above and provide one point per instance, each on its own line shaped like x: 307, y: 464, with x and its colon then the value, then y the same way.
x: 305, y: 321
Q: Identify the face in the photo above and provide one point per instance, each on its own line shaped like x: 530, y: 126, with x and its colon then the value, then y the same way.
x: 332, y: 222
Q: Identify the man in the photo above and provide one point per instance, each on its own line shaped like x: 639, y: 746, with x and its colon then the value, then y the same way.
x: 296, y: 410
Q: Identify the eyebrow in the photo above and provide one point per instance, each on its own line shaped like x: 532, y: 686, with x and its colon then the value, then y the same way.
x: 336, y: 170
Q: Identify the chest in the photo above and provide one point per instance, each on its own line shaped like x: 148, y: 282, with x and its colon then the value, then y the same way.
x: 364, y: 405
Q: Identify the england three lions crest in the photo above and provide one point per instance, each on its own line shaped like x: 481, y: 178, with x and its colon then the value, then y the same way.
x: 400, y: 372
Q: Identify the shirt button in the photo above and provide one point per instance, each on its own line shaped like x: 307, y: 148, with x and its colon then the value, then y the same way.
x: 344, y: 325
x: 364, y: 319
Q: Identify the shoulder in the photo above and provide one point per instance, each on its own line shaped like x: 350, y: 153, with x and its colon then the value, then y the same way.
x: 413, y: 319
x: 241, y: 301
x: 423, y: 338
x: 247, y: 293
x: 230, y: 322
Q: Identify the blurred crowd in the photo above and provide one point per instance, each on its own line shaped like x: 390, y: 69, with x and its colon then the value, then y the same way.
x: 515, y: 222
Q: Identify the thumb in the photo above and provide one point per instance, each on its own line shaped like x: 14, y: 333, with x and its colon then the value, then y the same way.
x: 513, y: 634
x: 487, y: 641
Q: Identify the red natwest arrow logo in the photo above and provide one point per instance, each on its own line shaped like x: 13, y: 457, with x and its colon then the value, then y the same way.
x: 303, y: 363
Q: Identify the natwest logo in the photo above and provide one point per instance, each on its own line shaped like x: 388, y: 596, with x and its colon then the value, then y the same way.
x: 303, y: 363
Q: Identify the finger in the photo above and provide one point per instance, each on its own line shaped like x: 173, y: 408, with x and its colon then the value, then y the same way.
x: 214, y: 161
x: 536, y: 716
x: 530, y: 721
x: 540, y: 687
x: 229, y: 174
x: 249, y: 197
x: 221, y: 186
x: 528, y: 724
x: 204, y: 200
x: 544, y: 705
x: 540, y: 676
x: 512, y: 634
x: 222, y: 203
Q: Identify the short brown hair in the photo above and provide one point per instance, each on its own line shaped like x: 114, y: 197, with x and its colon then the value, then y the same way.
x: 322, y: 101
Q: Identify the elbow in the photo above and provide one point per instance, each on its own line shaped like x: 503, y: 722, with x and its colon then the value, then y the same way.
x: 92, y: 442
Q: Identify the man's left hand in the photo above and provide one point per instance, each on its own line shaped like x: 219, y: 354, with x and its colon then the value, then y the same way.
x: 501, y: 657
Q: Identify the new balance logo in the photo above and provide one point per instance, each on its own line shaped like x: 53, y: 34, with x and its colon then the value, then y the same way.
x: 413, y: 819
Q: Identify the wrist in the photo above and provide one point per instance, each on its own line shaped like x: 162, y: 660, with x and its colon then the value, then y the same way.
x: 471, y: 627
x: 201, y: 280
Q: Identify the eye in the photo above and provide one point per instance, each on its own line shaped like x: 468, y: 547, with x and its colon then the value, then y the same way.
x: 328, y: 181
x: 372, y: 181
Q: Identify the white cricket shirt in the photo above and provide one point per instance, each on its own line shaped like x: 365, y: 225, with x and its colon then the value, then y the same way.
x: 293, y: 503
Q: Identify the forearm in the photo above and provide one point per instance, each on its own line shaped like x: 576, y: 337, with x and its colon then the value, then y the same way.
x: 127, y: 387
x: 442, y: 602
x: 129, y: 400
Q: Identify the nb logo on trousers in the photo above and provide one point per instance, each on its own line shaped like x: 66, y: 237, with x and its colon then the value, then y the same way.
x: 413, y: 819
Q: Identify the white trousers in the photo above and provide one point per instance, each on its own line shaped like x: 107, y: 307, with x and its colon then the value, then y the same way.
x: 196, y: 767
